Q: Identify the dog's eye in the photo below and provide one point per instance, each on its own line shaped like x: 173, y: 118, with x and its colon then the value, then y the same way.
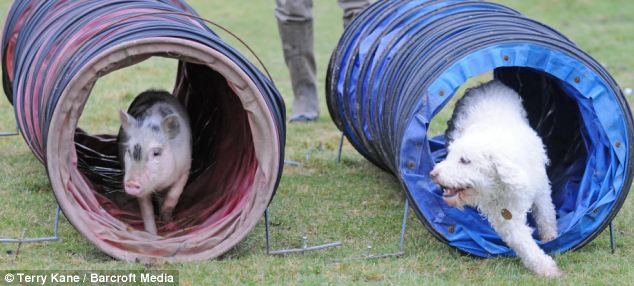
x: 464, y: 160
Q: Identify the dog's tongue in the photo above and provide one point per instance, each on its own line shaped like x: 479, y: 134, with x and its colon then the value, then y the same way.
x: 449, y: 192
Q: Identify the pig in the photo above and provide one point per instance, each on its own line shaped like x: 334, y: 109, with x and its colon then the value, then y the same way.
x: 155, y: 152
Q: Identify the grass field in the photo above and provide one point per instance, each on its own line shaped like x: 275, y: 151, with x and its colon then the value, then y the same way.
x: 353, y: 202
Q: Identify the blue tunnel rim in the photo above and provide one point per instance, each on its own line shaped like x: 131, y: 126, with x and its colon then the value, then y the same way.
x: 609, y: 86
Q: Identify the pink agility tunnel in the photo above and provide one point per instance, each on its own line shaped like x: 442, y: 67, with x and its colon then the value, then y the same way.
x: 53, y: 53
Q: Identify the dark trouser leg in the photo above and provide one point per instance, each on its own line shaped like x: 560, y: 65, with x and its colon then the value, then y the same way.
x: 351, y: 8
x: 295, y: 24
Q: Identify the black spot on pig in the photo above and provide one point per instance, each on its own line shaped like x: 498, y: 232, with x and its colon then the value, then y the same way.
x: 165, y: 111
x: 141, y: 104
x: 136, y: 152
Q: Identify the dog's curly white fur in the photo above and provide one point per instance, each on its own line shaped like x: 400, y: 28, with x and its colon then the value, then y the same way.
x: 497, y: 163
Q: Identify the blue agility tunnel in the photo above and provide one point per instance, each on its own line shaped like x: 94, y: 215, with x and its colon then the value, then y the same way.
x: 400, y: 62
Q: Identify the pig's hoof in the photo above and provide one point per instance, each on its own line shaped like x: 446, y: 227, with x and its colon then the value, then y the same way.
x: 166, y: 216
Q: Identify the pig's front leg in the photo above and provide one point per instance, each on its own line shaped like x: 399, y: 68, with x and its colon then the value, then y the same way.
x: 147, y: 212
x: 172, y: 196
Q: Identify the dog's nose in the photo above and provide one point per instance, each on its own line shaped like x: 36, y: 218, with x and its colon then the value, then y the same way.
x: 433, y: 173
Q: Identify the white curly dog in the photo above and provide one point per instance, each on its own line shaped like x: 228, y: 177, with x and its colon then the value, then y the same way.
x: 497, y: 163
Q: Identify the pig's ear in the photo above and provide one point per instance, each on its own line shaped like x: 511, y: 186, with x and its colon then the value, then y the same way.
x: 171, y: 126
x: 126, y: 119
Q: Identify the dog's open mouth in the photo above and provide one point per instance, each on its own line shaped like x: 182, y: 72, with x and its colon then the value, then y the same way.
x: 451, y: 192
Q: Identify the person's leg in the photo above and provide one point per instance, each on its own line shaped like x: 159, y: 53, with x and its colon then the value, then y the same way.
x: 351, y: 8
x: 295, y: 24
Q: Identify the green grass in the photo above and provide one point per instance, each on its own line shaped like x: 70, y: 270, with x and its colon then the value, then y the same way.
x: 353, y: 202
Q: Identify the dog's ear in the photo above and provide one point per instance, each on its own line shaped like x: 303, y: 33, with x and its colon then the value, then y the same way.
x: 509, y: 172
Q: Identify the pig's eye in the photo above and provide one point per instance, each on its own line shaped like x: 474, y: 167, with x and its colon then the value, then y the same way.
x: 157, y: 152
x: 464, y: 161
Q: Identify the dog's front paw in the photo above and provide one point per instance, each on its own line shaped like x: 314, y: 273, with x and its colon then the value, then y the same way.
x: 549, y: 271
x: 546, y: 237
x: 544, y: 266
x: 547, y: 268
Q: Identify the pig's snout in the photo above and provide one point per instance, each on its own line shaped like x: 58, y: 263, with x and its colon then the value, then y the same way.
x: 133, y: 188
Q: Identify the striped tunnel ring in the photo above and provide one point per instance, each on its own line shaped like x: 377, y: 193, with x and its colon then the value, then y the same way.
x: 53, y: 53
x: 398, y: 65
